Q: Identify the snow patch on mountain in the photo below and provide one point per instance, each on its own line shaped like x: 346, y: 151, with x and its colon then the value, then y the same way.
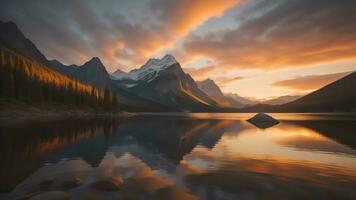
x: 150, y: 70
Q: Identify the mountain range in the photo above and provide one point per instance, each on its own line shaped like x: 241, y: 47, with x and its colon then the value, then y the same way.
x: 92, y: 72
x: 338, y: 96
x: 162, y: 85
x: 164, y: 81
x: 159, y: 85
x: 212, y: 89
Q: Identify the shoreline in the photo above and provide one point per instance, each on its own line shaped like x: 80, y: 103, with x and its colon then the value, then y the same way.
x: 14, y: 112
x: 21, y: 117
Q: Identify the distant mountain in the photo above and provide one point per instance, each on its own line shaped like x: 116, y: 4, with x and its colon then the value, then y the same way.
x: 118, y: 74
x: 338, y: 96
x: 282, y: 100
x: 94, y: 73
x: 164, y: 81
x: 242, y: 100
x: 212, y: 89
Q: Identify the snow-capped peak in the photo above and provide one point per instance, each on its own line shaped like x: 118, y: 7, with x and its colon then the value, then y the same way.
x: 152, y: 62
x: 166, y: 61
x: 151, y: 68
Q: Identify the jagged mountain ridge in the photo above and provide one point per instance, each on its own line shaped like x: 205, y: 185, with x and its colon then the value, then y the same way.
x: 90, y: 73
x: 212, y: 89
x: 151, y: 69
x: 152, y: 78
x: 164, y: 81
x: 118, y: 74
x: 94, y: 73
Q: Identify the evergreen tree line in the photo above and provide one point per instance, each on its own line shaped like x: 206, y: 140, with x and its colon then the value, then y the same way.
x: 26, y: 80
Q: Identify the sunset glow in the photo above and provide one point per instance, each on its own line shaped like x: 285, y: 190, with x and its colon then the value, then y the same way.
x: 257, y: 49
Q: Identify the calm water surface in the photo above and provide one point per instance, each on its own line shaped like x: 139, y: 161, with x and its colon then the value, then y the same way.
x: 186, y: 156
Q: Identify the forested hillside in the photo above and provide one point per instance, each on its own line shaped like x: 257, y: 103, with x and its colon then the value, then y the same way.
x: 26, y: 80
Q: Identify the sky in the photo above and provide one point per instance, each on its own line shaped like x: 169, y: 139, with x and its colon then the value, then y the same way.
x: 255, y: 48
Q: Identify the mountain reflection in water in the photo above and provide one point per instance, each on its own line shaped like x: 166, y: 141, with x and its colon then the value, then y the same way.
x: 181, y: 158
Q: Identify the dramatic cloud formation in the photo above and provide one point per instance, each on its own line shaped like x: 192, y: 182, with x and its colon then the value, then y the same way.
x: 201, y: 73
x: 261, y: 40
x: 281, y: 33
x: 310, y: 82
x: 183, y: 15
x: 74, y: 31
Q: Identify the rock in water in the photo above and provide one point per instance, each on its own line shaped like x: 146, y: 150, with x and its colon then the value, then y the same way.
x: 263, y: 121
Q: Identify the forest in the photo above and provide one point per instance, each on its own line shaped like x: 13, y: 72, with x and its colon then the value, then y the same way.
x: 26, y: 80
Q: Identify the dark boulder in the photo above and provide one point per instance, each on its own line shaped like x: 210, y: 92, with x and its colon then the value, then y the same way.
x: 263, y: 121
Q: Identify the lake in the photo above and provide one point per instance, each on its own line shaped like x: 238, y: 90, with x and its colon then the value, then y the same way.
x: 181, y: 156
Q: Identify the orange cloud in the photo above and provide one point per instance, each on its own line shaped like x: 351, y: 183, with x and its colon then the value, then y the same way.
x: 183, y: 15
x: 201, y: 73
x: 310, y: 82
x: 174, y: 20
x: 118, y: 32
x: 287, y: 33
